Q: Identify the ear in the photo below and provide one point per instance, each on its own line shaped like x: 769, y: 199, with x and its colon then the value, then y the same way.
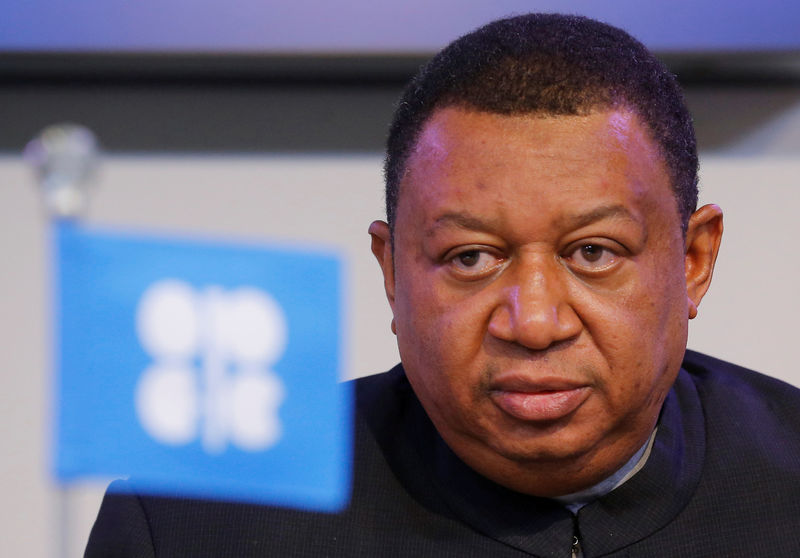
x: 382, y: 249
x: 703, y: 237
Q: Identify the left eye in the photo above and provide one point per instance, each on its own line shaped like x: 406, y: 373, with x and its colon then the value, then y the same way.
x: 592, y: 257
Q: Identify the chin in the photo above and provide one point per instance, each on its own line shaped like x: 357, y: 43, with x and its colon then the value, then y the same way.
x: 541, y: 452
x: 542, y: 443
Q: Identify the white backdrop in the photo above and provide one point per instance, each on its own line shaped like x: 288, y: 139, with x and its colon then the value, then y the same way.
x: 750, y: 313
x: 748, y: 316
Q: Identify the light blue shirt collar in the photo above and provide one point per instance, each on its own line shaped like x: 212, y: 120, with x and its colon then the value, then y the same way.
x: 575, y: 501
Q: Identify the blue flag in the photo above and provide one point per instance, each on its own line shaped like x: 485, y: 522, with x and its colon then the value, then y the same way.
x: 201, y: 369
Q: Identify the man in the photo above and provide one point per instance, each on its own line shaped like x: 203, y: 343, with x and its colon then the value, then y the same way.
x: 542, y: 258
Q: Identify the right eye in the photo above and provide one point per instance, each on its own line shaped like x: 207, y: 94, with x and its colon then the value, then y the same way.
x: 473, y: 263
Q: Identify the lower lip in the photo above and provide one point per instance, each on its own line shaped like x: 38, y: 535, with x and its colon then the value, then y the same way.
x: 540, y: 406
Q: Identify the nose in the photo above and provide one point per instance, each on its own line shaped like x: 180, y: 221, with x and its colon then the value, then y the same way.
x: 534, y: 309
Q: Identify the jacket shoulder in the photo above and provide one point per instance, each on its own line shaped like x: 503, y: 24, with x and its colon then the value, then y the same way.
x: 715, y: 377
x: 750, y: 416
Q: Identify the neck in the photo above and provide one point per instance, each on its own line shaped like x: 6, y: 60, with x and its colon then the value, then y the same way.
x: 556, y: 478
x: 577, y: 500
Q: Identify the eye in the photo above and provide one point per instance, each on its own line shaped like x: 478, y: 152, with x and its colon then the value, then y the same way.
x: 591, y: 257
x: 473, y: 263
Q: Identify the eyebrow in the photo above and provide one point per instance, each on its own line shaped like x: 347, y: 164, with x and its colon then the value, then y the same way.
x: 462, y: 221
x: 616, y: 211
x: 571, y: 221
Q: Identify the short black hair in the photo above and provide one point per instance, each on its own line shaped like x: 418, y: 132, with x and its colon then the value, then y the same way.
x: 549, y: 64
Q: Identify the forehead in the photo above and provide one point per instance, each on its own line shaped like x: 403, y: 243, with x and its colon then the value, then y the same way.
x: 541, y: 163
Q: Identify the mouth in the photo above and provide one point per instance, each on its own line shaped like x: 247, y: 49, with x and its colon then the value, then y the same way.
x: 540, y: 401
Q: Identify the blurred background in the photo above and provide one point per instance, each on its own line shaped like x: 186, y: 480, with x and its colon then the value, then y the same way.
x: 265, y: 121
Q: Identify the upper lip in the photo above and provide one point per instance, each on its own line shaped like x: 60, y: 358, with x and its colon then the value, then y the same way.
x: 528, y: 384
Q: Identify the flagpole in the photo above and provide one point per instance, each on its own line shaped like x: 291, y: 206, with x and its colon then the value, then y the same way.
x: 64, y: 158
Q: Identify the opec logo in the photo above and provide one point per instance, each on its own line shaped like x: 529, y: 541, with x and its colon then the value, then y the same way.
x: 210, y: 377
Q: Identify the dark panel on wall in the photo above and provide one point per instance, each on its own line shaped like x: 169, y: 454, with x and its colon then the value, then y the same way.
x: 253, y: 104
x: 205, y: 103
x: 203, y: 117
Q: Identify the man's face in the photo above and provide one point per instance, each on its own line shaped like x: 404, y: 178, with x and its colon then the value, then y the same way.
x: 538, y: 289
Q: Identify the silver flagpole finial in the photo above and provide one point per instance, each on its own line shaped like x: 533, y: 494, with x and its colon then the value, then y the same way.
x: 65, y: 159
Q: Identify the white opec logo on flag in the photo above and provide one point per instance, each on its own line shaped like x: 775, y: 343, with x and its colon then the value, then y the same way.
x: 210, y: 379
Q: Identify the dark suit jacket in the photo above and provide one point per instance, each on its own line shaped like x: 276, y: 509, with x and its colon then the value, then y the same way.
x: 723, y: 479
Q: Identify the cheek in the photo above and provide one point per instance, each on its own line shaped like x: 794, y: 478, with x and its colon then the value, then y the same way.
x: 653, y: 344
x: 429, y: 305
x: 440, y: 335
x: 638, y: 330
x: 665, y: 307
x: 422, y: 322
